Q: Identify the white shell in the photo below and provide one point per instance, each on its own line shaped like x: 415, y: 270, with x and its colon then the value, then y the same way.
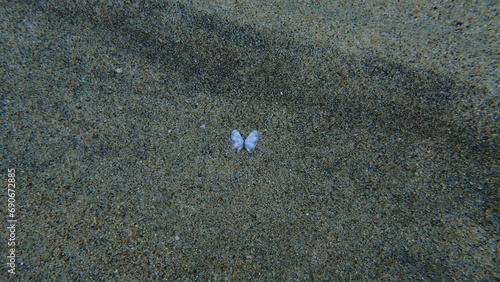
x: 237, y: 140
x: 251, y: 141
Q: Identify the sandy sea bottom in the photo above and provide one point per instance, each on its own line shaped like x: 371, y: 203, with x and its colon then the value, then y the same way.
x: 117, y: 122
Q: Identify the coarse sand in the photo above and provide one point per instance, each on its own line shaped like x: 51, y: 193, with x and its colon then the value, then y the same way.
x: 378, y: 142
